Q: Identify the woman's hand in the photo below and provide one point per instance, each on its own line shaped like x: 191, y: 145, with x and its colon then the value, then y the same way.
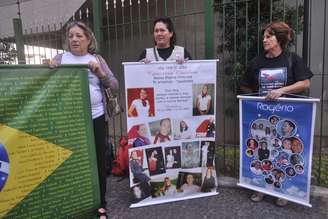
x: 274, y: 94
x: 51, y: 63
x: 96, y: 69
x: 180, y: 60
x: 145, y: 60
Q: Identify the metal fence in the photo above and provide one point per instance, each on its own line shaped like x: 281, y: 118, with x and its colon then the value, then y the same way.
x: 127, y: 29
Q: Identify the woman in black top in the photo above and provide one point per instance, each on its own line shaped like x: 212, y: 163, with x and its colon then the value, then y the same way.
x: 276, y: 72
x: 165, y: 48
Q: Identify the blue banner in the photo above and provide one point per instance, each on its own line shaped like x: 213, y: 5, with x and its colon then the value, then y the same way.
x: 276, y: 147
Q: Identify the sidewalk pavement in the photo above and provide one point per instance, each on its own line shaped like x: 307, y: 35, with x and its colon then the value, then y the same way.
x: 232, y: 202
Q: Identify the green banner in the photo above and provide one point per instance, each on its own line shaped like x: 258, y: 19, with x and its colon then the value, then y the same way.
x: 47, y: 151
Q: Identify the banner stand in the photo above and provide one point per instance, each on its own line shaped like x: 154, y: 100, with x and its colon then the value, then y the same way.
x: 276, y: 145
x: 171, y: 130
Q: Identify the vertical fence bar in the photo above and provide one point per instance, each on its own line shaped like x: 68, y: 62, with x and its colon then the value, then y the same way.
x: 271, y: 9
x: 322, y: 90
x: 195, y: 30
x: 224, y: 93
x: 97, y: 23
x: 27, y: 48
x: 284, y: 10
x: 296, y: 28
x: 148, y: 18
x: 306, y: 24
x: 131, y: 21
x: 209, y: 15
x: 17, y: 22
x: 234, y: 81
x: 258, y: 25
x: 246, y: 34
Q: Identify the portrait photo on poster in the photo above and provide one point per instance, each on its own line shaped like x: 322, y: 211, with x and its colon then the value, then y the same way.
x: 190, y: 154
x: 207, y: 153
x: 203, y: 99
x: 137, y: 169
x: 165, y: 187
x: 141, y: 102
x: 138, y: 135
x: 183, y: 129
x: 172, y: 157
x: 189, y: 183
x: 206, y: 128
x: 155, y: 160
x: 139, y: 192
x: 161, y: 130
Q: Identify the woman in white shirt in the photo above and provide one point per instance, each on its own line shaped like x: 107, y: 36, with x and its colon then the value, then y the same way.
x: 203, y: 101
x: 80, y: 49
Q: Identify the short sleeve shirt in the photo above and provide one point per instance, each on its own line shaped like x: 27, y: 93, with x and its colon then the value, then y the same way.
x: 264, y: 74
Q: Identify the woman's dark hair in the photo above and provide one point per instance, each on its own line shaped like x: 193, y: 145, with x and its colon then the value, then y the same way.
x: 290, y: 123
x: 169, y: 25
x: 282, y: 31
x: 92, y: 47
x: 185, y: 128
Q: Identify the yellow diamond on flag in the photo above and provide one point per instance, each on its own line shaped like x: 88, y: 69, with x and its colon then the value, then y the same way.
x: 31, y: 161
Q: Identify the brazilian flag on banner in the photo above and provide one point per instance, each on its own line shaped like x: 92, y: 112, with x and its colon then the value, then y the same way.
x: 47, y: 151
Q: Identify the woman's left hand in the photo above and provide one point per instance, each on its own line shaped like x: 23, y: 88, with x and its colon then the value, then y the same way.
x: 96, y: 69
x: 274, y: 94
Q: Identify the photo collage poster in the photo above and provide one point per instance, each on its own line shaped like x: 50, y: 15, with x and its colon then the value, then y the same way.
x: 276, y: 147
x: 171, y: 130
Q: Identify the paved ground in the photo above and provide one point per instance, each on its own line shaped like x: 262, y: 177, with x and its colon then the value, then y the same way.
x: 232, y: 202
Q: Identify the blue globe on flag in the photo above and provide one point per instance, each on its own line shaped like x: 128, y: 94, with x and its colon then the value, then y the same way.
x: 4, y: 166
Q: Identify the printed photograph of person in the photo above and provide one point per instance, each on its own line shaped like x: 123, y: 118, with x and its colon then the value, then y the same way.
x: 172, y: 157
x: 297, y: 145
x: 165, y: 186
x: 209, y: 180
x: 263, y: 151
x: 138, y: 135
x: 286, y: 128
x: 206, y: 128
x: 190, y: 154
x: 274, y: 119
x: 276, y: 143
x: 161, y: 130
x: 203, y: 98
x: 155, y: 161
x: 299, y: 169
x: 136, y: 167
x: 261, y: 129
x: 189, y: 183
x: 296, y: 159
x: 290, y: 171
x: 249, y: 153
x: 273, y: 154
x: 269, y: 179
x: 139, y: 192
x: 207, y: 153
x: 283, y: 159
x: 252, y: 144
x: 141, y: 102
x: 287, y: 145
x: 279, y: 175
x: 183, y: 130
x: 256, y: 167
x: 267, y: 165
x: 168, y: 189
